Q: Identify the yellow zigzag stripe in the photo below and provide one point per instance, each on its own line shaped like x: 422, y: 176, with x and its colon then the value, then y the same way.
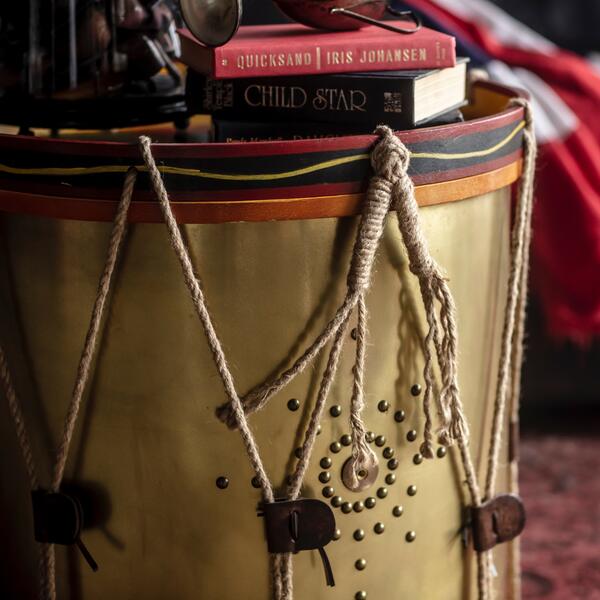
x: 63, y: 172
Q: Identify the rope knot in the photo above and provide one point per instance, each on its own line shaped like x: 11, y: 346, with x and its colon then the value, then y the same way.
x: 390, y: 157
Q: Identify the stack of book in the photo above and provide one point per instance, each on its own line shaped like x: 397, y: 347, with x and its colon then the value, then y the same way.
x: 273, y: 82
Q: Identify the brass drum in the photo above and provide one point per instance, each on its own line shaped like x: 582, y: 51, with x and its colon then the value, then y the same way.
x: 174, y: 508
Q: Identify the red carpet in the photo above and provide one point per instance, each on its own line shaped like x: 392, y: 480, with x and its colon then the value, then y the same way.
x: 560, y: 484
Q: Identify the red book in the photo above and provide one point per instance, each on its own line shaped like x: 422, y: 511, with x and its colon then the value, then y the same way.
x: 292, y: 49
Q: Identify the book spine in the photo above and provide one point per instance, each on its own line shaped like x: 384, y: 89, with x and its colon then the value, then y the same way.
x: 329, y: 99
x: 388, y: 54
x: 255, y: 131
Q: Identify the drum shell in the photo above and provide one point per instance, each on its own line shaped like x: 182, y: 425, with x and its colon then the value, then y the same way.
x: 148, y: 441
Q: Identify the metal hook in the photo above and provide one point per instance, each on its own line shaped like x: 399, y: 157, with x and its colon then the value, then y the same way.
x: 383, y: 24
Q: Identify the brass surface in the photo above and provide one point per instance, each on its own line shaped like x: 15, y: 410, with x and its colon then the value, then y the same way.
x: 150, y: 446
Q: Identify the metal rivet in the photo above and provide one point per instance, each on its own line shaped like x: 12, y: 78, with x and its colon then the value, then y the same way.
x: 358, y: 506
x: 325, y: 462
x: 392, y: 464
x: 411, y: 536
x: 328, y: 491
x: 335, y: 447
x: 222, y: 482
x: 411, y: 436
x: 346, y: 440
x: 415, y: 390
x: 441, y: 452
x: 298, y: 452
x: 337, y: 534
x: 360, y: 595
x: 353, y: 334
x: 390, y: 478
x: 379, y: 528
x: 359, y: 535
x: 380, y: 440
x: 335, y: 410
x: 399, y: 416
x: 369, y: 436
x: 255, y: 482
x: 411, y: 490
x: 346, y: 508
x: 383, y: 406
x: 319, y: 430
x: 370, y: 502
x: 382, y: 492
x: 418, y: 459
x: 397, y: 511
x: 324, y: 476
x: 293, y: 404
x: 336, y: 501
x: 360, y: 564
x: 388, y: 452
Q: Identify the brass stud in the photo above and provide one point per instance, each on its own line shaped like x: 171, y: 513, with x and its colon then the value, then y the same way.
x: 324, y: 476
x: 388, y: 452
x: 335, y: 410
x: 335, y: 447
x: 362, y: 595
x: 346, y: 508
x: 369, y: 436
x: 346, y: 439
x: 319, y: 430
x: 370, y: 502
x: 392, y: 464
x: 337, y: 534
x: 418, y: 459
x: 390, y: 478
x: 359, y: 535
x: 358, y: 506
x: 382, y: 492
x: 380, y: 440
x: 397, y: 511
x: 325, y: 462
x: 298, y: 452
x: 328, y: 491
x: 441, y: 452
x: 379, y: 528
x: 353, y: 334
x: 360, y: 564
x: 383, y: 406
x: 411, y: 536
x: 415, y: 390
x: 336, y: 501
x: 411, y: 490
x: 411, y: 436
x: 222, y: 482
x: 293, y: 404
x: 399, y: 416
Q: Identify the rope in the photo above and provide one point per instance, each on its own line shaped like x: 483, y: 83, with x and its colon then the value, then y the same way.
x: 46, y: 551
x: 511, y: 358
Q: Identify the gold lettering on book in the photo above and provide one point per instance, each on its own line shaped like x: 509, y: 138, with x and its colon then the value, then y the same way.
x: 267, y: 60
x: 337, y: 99
x: 339, y: 57
x: 392, y: 55
x: 275, y: 96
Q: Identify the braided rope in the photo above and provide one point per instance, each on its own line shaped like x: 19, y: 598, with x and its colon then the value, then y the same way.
x: 46, y: 551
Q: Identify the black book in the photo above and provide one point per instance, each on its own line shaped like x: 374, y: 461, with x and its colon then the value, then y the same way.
x: 401, y: 99
x: 226, y: 130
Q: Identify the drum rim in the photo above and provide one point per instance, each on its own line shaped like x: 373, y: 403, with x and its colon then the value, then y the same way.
x: 261, y: 202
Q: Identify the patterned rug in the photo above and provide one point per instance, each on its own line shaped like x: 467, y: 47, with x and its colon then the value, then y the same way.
x: 560, y: 484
